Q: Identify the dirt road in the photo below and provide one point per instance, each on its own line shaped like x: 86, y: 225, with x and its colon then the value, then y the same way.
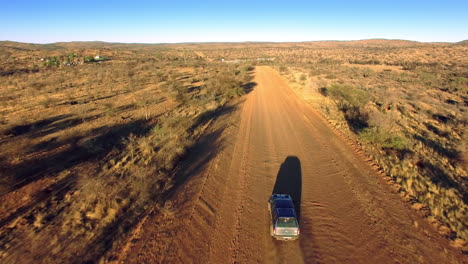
x: 347, y: 213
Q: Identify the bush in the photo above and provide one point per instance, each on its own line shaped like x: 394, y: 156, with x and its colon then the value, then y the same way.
x: 88, y: 59
x: 323, y: 91
x: 385, y: 140
x: 395, y: 142
x: 349, y: 95
x: 351, y: 102
x: 247, y: 68
x: 53, y: 61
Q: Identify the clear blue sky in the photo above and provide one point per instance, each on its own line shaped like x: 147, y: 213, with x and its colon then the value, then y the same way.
x: 44, y: 21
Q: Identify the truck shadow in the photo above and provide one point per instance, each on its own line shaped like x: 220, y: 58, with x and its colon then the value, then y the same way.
x: 289, y: 181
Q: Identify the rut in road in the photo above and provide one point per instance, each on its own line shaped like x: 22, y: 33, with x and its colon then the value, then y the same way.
x: 347, y: 213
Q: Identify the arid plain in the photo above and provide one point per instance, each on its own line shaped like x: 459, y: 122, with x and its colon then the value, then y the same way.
x: 167, y: 153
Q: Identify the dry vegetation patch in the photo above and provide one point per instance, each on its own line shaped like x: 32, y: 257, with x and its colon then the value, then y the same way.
x: 411, y: 120
x: 90, y: 138
x: 88, y: 144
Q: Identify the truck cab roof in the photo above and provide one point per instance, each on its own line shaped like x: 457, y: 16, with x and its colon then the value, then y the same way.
x: 285, y: 212
x: 283, y: 204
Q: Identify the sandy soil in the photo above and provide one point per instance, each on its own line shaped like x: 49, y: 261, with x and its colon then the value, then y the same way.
x: 274, y: 142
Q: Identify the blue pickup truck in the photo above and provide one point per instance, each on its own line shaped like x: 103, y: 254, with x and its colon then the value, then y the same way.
x: 284, y: 223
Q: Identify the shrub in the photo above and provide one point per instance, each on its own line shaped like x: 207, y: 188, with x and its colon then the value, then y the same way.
x: 247, y: 68
x: 395, y: 142
x: 349, y: 95
x: 386, y: 140
x: 88, y: 59
x: 323, y: 91
x: 53, y: 61
x: 356, y: 117
x: 351, y: 102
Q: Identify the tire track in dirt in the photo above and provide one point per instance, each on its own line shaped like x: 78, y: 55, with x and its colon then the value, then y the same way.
x: 242, y: 196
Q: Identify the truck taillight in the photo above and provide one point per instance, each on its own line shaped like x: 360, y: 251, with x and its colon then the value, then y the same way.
x: 274, y: 231
x: 298, y: 231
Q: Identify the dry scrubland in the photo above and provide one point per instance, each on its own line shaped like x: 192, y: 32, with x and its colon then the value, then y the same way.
x: 404, y: 102
x: 88, y: 145
x: 407, y: 107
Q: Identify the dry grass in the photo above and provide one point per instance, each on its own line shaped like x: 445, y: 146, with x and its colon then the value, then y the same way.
x: 85, y: 148
x: 91, y: 145
x: 413, y: 124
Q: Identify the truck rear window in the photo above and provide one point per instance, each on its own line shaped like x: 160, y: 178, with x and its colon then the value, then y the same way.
x: 286, y: 222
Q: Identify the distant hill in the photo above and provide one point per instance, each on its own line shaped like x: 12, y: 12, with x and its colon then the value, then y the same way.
x: 370, y: 43
x: 100, y: 45
x: 11, y: 45
x: 387, y: 42
x: 28, y: 46
x: 462, y: 43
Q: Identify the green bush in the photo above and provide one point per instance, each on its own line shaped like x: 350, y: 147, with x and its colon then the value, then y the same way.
x: 88, y: 59
x: 395, y: 142
x: 349, y: 95
x: 351, y: 101
x: 53, y: 61
x: 246, y: 68
x: 386, y: 140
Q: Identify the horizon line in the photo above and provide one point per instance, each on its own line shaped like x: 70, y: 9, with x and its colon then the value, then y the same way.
x: 214, y: 42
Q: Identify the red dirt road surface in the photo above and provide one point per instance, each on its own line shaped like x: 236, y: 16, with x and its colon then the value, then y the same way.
x: 275, y: 143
